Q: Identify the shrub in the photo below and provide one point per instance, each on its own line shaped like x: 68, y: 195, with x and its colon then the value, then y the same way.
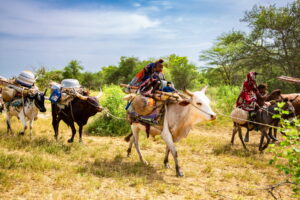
x: 106, y: 125
x: 287, y: 153
x: 223, y: 97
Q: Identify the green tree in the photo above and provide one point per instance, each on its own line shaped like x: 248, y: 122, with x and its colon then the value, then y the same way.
x: 44, y: 77
x: 274, y: 41
x: 225, y: 57
x: 183, y: 73
x: 73, y: 70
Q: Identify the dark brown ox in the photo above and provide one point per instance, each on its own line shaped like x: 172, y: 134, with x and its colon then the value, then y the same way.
x: 79, y: 110
x: 265, y: 117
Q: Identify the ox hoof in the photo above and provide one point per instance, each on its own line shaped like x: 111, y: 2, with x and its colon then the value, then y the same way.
x: 246, y: 140
x: 179, y: 174
x: 145, y: 162
x: 128, y: 152
x: 167, y: 166
x: 21, y: 133
x: 70, y: 140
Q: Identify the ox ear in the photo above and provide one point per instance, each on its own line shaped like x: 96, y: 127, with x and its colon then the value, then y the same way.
x: 185, y: 102
x: 204, y: 89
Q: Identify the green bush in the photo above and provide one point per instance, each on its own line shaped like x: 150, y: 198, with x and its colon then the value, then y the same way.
x: 287, y: 153
x: 223, y: 98
x: 106, y: 125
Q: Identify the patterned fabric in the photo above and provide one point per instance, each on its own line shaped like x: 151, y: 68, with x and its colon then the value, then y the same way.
x: 146, y: 73
x: 248, y: 96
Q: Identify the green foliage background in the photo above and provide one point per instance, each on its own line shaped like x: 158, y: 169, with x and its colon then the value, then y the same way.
x: 106, y: 125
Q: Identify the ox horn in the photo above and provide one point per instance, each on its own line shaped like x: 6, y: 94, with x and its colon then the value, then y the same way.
x: 84, y: 98
x: 100, y: 94
x: 204, y: 89
x: 188, y: 92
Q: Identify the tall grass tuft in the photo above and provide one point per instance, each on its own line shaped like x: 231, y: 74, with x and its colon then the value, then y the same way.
x: 106, y: 125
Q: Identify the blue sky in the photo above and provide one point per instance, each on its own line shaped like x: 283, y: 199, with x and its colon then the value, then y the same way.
x: 50, y: 33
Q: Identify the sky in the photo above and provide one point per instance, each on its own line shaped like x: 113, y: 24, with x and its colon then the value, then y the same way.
x: 51, y: 33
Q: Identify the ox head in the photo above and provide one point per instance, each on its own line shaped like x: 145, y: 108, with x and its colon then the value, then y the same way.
x: 93, y: 101
x: 39, y: 100
x: 288, y: 106
x: 201, y: 104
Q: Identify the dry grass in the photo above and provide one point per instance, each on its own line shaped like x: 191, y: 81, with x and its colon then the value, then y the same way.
x: 42, y: 168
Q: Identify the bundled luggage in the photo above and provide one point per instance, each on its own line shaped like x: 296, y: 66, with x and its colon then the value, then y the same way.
x: 23, y: 85
x: 65, y: 92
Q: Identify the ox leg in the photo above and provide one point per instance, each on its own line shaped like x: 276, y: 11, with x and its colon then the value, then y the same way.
x: 264, y: 134
x: 166, y: 160
x: 30, y: 127
x: 80, y: 133
x: 9, y: 129
x: 135, y: 131
x: 131, y: 140
x: 55, y: 125
x: 23, y: 120
x: 246, y: 139
x: 73, y: 132
x: 234, y: 131
x: 273, y: 137
x: 167, y: 137
x: 241, y: 137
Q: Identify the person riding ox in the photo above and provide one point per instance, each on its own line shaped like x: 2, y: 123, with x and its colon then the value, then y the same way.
x: 150, y: 79
x: 247, y: 99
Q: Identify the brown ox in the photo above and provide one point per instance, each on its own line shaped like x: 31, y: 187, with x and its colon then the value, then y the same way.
x: 178, y: 121
x: 295, y: 99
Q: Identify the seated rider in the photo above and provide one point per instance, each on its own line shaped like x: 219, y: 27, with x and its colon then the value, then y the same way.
x: 247, y: 99
x: 169, y: 88
x: 262, y: 94
x: 149, y: 78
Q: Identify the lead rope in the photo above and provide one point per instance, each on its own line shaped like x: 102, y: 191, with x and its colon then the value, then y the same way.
x: 23, y: 102
x: 276, y: 127
x: 116, y: 117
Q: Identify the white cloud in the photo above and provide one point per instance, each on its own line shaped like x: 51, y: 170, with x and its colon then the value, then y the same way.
x: 18, y: 18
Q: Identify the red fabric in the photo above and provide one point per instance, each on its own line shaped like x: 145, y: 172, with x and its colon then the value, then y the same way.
x: 140, y: 75
x: 248, y: 96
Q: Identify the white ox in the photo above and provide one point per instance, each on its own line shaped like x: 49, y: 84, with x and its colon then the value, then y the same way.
x: 27, y: 112
x: 178, y: 121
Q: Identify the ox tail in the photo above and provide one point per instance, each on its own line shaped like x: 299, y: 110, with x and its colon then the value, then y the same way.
x: 127, y: 138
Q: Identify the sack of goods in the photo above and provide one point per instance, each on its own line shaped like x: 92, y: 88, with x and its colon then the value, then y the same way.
x: 8, y: 94
x: 66, y: 91
x: 143, y: 105
x: 26, y: 79
x: 239, y: 116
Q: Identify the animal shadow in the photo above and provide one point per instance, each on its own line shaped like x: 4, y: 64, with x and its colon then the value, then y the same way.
x: 118, y: 168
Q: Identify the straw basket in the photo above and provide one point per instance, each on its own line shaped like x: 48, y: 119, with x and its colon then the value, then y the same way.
x: 143, y: 105
x: 239, y: 116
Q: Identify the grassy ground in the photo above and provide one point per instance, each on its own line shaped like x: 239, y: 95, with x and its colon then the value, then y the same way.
x: 42, y: 168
